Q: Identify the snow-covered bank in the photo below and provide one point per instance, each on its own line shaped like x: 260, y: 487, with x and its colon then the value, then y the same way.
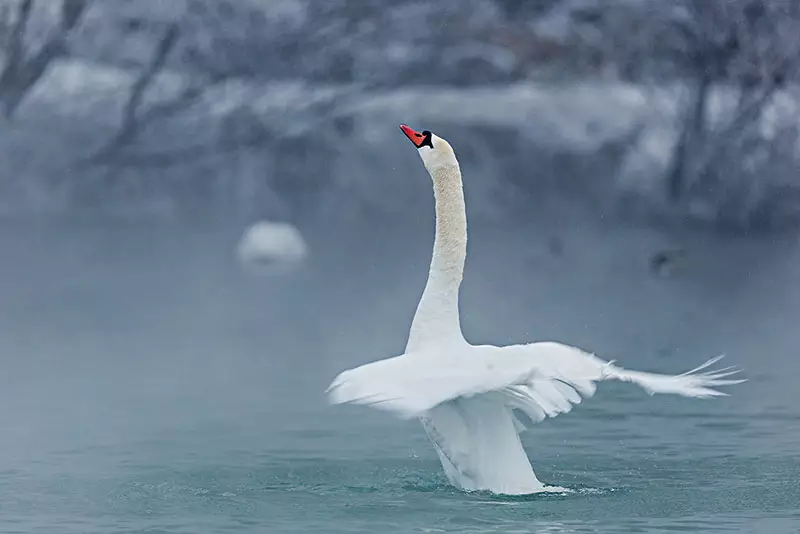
x: 296, y: 150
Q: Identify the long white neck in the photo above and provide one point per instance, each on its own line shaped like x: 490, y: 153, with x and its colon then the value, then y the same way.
x: 437, y: 320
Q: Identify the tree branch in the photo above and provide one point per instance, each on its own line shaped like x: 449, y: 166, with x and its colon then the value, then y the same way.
x: 132, y: 123
x: 16, y: 53
x: 739, y: 41
x: 20, y: 75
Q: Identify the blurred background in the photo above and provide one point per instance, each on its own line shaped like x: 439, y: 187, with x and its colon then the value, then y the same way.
x: 631, y: 176
x: 676, y: 110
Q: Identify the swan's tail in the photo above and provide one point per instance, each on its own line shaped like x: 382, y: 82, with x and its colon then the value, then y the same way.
x: 689, y: 384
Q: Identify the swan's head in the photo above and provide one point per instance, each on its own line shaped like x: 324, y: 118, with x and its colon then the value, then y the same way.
x: 434, y: 151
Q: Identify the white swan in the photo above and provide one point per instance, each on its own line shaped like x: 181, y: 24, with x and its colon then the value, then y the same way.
x: 474, y: 400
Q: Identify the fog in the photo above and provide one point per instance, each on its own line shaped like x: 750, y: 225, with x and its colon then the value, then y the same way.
x: 630, y: 173
x: 118, y: 334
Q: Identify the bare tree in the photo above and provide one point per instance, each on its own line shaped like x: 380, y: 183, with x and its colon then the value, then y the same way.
x: 133, y: 119
x: 136, y: 118
x: 751, y: 47
x: 22, y: 71
x: 737, y: 60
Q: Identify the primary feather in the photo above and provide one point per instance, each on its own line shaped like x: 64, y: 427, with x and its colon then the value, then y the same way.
x: 539, y: 379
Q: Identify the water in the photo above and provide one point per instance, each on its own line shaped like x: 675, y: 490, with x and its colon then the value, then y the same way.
x: 148, y: 385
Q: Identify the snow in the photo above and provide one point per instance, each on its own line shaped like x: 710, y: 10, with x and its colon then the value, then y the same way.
x: 76, y: 108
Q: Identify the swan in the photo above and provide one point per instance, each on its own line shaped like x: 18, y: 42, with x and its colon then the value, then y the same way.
x: 474, y: 400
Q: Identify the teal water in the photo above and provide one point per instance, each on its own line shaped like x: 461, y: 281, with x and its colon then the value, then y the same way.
x: 149, y: 387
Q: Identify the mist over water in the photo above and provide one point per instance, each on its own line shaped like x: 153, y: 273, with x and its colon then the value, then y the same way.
x: 150, y: 384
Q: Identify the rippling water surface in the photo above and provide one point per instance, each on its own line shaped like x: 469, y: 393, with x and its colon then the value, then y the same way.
x: 148, y: 385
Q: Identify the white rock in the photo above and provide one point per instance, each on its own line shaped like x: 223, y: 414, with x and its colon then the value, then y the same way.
x: 270, y: 247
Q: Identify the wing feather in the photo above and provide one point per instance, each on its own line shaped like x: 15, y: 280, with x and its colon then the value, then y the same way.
x: 538, y: 379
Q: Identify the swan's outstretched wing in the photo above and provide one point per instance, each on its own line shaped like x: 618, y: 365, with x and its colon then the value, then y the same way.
x: 539, y: 379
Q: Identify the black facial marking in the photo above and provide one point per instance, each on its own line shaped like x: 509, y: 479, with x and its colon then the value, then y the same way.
x: 427, y: 139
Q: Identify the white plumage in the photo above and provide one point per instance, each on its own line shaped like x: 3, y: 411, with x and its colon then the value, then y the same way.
x: 540, y: 379
x: 474, y: 400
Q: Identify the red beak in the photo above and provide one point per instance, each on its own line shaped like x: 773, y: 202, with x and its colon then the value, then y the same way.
x: 415, y: 137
